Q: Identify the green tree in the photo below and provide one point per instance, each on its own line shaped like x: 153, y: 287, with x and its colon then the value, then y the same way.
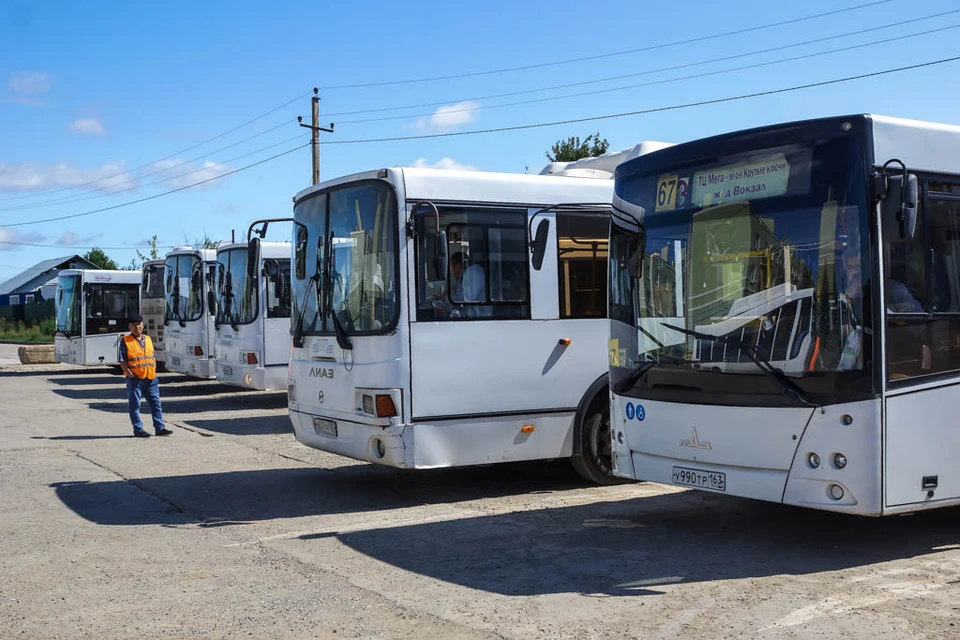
x: 202, y: 243
x: 154, y: 252
x: 99, y: 258
x: 573, y: 148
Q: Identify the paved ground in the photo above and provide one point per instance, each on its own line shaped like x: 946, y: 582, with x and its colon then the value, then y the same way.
x: 231, y: 528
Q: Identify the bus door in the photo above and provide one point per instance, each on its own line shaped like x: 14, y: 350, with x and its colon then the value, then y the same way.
x: 922, y: 299
x: 276, y: 315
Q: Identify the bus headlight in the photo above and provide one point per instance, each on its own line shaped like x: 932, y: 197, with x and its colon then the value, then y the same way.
x: 840, y: 460
x: 292, y: 392
x: 813, y: 460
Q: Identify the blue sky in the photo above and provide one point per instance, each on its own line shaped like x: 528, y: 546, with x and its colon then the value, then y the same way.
x: 92, y: 90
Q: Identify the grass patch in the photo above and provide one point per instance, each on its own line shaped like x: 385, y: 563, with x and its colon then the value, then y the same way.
x: 36, y: 331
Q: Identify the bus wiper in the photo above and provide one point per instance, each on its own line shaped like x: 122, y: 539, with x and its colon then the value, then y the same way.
x: 342, y: 338
x: 788, y: 386
x: 298, y: 328
x: 627, y: 383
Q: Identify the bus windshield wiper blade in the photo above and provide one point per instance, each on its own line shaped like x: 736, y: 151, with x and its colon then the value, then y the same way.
x: 788, y: 386
x: 627, y: 383
x: 298, y: 328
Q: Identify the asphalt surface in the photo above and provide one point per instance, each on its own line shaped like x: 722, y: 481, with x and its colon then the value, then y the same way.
x: 231, y: 528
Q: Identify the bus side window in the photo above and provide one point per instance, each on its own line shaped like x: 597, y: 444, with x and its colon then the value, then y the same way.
x: 582, y: 240
x: 923, y: 292
x: 487, y: 277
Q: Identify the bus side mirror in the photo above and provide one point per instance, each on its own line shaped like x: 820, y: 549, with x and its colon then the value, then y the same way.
x: 898, y: 205
x: 211, y: 301
x: 538, y: 245
x: 440, y: 261
x: 253, y: 256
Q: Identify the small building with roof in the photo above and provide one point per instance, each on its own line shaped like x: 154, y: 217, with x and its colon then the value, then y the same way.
x: 39, y: 282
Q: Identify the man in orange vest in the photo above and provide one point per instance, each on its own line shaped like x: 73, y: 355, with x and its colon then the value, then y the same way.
x: 140, y: 369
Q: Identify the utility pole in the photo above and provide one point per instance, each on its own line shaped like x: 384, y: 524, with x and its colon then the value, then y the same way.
x: 315, y: 128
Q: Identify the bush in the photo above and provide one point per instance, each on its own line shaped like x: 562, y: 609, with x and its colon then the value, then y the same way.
x: 41, y: 331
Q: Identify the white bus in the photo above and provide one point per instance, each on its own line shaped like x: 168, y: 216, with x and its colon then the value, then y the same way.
x: 419, y: 349
x: 807, y: 277
x: 189, y: 332
x: 252, y: 305
x: 93, y: 307
x: 153, y: 305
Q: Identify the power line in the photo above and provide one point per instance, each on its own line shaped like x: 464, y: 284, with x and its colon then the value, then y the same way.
x: 633, y: 75
x: 156, y: 195
x: 611, y: 116
x: 669, y: 80
x: 80, y: 246
x: 80, y: 198
x: 512, y: 128
x: 176, y: 153
x: 609, y: 55
x: 74, y: 199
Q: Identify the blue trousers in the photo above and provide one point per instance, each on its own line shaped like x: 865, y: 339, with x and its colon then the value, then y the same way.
x: 137, y: 389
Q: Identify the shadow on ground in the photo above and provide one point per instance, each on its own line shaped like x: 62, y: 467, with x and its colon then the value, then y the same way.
x: 631, y: 547
x: 246, y: 426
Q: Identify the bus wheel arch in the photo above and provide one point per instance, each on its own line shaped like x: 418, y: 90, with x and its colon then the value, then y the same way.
x: 592, y: 448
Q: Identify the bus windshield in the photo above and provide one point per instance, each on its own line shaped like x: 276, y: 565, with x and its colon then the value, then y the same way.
x: 109, y: 306
x: 346, y: 260
x: 758, y: 255
x: 236, y: 290
x: 153, y: 281
x: 184, y: 288
x: 68, y: 306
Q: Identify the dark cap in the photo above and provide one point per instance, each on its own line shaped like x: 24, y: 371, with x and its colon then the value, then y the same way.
x: 135, y: 319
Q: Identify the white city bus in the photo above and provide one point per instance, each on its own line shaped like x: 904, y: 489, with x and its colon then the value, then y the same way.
x: 153, y: 305
x: 252, y: 305
x: 189, y: 332
x: 785, y: 315
x: 419, y: 349
x: 93, y: 307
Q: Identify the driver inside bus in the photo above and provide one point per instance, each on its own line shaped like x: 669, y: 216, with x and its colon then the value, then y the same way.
x: 469, y: 282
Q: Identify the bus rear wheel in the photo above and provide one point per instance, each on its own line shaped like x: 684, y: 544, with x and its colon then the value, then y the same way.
x: 594, y: 462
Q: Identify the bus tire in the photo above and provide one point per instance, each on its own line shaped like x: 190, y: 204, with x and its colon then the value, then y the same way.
x: 594, y: 457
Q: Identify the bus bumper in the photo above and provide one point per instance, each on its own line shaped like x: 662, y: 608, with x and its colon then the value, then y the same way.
x: 450, y: 443
x: 251, y: 377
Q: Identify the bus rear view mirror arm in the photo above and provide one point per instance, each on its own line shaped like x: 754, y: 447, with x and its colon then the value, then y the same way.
x: 899, y: 194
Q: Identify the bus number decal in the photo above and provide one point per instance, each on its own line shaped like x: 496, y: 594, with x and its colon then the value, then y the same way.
x: 667, y: 193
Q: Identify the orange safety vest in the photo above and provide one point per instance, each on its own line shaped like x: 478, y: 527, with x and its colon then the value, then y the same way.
x: 141, y: 360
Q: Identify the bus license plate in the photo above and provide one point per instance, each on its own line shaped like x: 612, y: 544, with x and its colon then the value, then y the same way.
x: 700, y: 479
x: 228, y: 371
x: 325, y: 427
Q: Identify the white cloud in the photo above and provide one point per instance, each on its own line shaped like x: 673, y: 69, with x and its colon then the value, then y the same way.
x: 72, y: 238
x: 188, y: 174
x: 15, y: 235
x: 32, y: 177
x: 30, y: 83
x: 88, y: 127
x: 448, y: 118
x: 443, y: 163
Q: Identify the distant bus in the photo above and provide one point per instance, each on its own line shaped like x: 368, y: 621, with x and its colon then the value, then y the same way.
x: 188, y: 317
x: 93, y: 307
x: 152, y: 304
x: 253, y: 314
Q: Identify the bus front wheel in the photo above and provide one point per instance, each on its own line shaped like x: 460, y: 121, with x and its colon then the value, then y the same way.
x: 594, y: 461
